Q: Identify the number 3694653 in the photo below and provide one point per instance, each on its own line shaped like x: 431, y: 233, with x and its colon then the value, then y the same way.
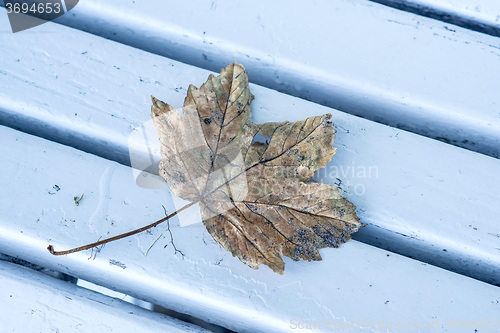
x: 34, y: 8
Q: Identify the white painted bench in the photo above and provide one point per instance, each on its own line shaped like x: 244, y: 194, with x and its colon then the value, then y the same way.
x: 424, y: 198
x: 35, y: 302
x: 360, y: 57
x: 478, y: 15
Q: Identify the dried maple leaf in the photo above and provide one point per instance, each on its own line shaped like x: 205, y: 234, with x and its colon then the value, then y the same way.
x: 256, y: 198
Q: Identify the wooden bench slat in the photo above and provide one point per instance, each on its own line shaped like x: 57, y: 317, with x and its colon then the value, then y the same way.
x: 354, y: 282
x: 421, y: 198
x: 479, y: 15
x: 35, y: 302
x: 360, y: 57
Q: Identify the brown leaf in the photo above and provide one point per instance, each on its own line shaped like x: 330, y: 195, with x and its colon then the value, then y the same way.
x: 256, y: 198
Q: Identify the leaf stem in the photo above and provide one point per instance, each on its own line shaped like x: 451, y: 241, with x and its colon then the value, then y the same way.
x: 114, y: 238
